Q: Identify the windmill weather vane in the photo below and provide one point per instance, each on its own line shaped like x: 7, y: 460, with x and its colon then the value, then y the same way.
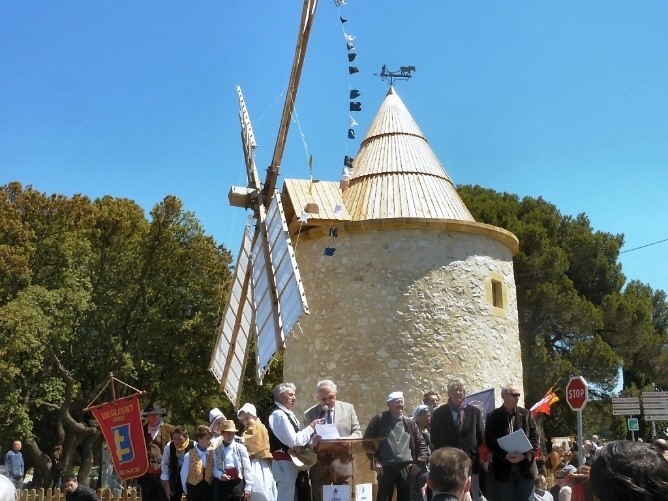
x: 404, y: 73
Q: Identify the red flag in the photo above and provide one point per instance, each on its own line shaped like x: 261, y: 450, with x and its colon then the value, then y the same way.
x: 544, y: 404
x: 121, y: 426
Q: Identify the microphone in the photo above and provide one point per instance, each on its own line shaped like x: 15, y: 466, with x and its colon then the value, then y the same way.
x: 326, y: 414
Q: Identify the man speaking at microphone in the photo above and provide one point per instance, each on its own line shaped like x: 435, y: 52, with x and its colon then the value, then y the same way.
x: 340, y: 414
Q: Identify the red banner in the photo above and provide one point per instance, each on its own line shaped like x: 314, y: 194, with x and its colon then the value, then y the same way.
x: 121, y: 426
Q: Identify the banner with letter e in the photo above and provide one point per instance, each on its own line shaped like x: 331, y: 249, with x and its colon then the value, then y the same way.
x: 120, y: 422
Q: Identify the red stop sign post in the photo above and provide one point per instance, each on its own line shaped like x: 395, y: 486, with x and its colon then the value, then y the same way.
x: 577, y: 394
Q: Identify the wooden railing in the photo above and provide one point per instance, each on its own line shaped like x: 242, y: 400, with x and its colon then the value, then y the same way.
x: 59, y: 495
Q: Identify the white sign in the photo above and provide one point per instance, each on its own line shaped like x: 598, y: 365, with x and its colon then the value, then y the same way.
x: 364, y: 492
x: 655, y: 405
x: 656, y: 394
x: 336, y: 493
x: 657, y: 417
x: 625, y: 412
x: 625, y: 400
x: 625, y: 406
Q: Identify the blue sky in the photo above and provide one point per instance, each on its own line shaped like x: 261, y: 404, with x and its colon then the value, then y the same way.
x: 564, y: 100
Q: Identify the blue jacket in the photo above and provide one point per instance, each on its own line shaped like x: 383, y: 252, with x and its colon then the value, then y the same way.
x: 14, y: 464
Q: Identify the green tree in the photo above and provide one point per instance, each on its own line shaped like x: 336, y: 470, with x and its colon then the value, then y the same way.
x: 93, y: 287
x: 576, y: 317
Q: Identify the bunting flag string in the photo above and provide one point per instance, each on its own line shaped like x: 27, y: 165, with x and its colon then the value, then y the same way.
x: 355, y: 105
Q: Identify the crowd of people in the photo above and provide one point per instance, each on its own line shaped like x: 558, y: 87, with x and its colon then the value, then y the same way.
x: 438, y: 452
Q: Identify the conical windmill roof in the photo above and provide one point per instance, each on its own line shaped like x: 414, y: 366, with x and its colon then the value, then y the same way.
x: 397, y: 175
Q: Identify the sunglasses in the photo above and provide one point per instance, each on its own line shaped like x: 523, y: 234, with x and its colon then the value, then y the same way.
x: 514, y: 394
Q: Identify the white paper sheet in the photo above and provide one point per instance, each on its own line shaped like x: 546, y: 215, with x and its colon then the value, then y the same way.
x: 327, y: 431
x: 517, y: 441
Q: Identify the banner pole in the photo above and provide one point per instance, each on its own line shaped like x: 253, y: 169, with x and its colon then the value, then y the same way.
x: 113, y: 388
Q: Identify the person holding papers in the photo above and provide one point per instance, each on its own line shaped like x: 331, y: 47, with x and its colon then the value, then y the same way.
x: 339, y: 421
x: 513, y: 470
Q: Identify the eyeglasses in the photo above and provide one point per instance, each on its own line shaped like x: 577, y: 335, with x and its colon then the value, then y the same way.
x: 514, y: 394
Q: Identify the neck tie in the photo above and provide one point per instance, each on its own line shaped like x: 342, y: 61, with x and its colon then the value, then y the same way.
x: 329, y: 417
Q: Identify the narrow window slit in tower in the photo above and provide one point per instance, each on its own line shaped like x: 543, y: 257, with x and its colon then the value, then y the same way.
x: 497, y: 294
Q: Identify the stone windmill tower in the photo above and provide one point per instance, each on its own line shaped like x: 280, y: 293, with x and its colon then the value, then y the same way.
x: 406, y: 290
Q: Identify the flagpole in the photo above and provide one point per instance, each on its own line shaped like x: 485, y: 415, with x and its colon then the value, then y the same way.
x: 113, y: 388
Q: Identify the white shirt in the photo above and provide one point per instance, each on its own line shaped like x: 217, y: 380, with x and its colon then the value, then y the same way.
x: 233, y: 456
x: 283, y: 427
x: 542, y: 495
x: 164, y: 464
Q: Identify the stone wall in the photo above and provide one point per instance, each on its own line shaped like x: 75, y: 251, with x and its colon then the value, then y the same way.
x: 404, y: 309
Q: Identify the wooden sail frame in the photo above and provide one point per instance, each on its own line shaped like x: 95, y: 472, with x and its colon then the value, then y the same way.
x: 267, y: 296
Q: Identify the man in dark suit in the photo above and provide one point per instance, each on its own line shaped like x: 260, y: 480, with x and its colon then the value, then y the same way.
x: 458, y: 425
x: 343, y: 416
x: 449, y: 476
x: 513, y: 471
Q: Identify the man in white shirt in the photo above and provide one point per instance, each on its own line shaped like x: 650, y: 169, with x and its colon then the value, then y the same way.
x: 284, y: 434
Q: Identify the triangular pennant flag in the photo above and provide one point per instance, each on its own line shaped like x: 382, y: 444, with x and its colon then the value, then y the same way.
x: 342, y: 20
x: 354, y: 93
x: 348, y: 161
x: 351, y: 133
x: 351, y: 57
x: 353, y: 69
x: 350, y: 46
x: 353, y: 122
x: 339, y: 3
x: 349, y: 38
x: 355, y: 106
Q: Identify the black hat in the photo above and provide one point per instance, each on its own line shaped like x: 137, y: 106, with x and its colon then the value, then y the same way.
x: 154, y: 408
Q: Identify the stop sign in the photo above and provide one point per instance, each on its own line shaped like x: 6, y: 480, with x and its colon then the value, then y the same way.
x: 577, y: 393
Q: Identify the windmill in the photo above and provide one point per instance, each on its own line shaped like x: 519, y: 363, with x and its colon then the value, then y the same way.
x: 267, y: 296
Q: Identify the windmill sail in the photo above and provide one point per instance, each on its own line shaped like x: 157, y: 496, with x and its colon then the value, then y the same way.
x: 267, y: 297
x: 286, y: 282
x: 237, y: 327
